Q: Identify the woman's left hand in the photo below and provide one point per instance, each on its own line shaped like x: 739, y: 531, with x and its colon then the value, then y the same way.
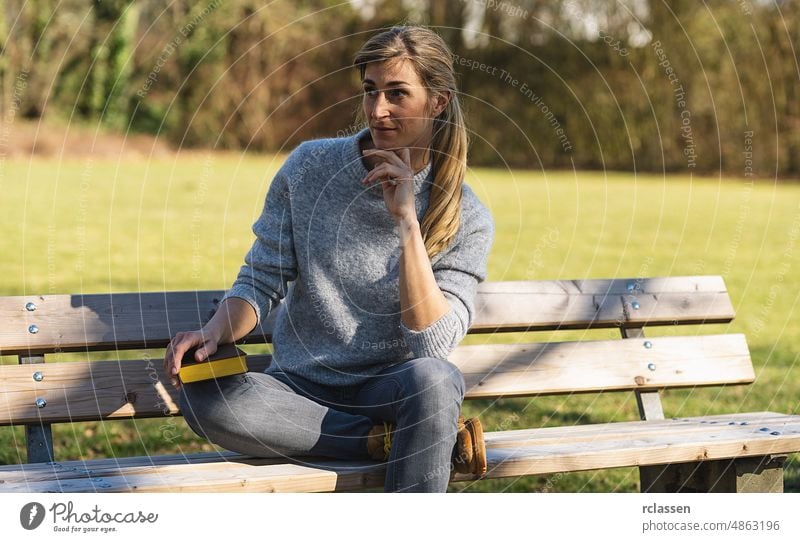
x: 397, y: 178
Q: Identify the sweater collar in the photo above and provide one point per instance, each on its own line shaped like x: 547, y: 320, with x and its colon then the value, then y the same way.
x: 355, y: 167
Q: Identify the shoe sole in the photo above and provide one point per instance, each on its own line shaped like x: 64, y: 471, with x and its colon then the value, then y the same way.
x: 475, y: 429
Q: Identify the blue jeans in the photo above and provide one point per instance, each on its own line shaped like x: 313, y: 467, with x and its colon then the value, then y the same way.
x: 280, y: 415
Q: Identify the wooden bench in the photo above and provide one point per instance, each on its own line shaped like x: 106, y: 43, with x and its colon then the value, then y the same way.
x: 734, y: 452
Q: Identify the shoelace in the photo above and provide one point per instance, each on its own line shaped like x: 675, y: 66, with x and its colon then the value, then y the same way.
x: 387, y: 439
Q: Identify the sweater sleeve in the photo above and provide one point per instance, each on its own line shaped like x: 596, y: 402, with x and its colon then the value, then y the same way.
x: 270, y: 263
x: 458, y: 272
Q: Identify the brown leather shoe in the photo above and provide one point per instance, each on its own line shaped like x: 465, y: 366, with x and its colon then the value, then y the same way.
x: 469, y: 454
x: 379, y: 441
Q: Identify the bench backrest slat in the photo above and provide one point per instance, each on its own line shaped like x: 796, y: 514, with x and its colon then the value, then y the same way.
x: 594, y: 366
x: 77, y: 391
x: 96, y: 322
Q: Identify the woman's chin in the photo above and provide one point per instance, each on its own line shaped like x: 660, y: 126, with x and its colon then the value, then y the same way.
x: 383, y: 140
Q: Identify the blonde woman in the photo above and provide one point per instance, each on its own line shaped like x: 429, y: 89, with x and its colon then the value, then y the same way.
x: 384, y: 246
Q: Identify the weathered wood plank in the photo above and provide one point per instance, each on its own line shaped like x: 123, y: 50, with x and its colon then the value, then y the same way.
x: 67, y: 323
x: 84, y: 391
x: 93, y: 322
x: 682, y: 429
x: 621, y: 430
x: 78, y: 391
x: 591, y: 366
x: 715, y: 441
x: 510, y: 453
x: 79, y: 468
x: 198, y: 478
x: 598, y: 303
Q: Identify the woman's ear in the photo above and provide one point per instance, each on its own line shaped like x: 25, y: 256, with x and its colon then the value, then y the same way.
x: 441, y: 100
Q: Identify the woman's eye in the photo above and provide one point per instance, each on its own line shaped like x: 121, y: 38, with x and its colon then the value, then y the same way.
x: 393, y: 93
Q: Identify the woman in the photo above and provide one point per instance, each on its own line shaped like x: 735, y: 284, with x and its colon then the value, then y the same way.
x: 384, y: 246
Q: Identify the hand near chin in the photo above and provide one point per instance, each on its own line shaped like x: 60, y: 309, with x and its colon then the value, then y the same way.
x: 396, y: 176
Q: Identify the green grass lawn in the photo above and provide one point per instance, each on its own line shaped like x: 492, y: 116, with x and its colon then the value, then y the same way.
x: 184, y: 223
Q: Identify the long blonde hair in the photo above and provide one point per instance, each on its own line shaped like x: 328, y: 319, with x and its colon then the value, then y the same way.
x: 433, y: 63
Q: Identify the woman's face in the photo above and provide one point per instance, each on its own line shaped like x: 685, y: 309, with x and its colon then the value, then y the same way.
x: 397, y: 108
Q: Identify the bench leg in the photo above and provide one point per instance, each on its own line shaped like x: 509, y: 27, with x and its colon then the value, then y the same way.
x: 40, y: 443
x: 743, y: 475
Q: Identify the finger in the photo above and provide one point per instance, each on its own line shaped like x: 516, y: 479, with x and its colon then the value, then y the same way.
x: 396, y: 179
x: 403, y: 155
x: 174, y: 370
x: 375, y: 173
x: 384, y: 171
x: 172, y: 376
x: 204, y: 352
x: 406, y: 155
x: 173, y: 360
x: 177, y: 359
x: 168, y: 357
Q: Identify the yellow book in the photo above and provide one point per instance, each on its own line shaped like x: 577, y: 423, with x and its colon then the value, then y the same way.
x: 227, y: 360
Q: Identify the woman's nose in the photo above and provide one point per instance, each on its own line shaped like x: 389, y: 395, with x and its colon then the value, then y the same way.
x: 380, y: 107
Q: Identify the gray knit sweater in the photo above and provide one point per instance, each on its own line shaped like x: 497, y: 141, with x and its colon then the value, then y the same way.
x: 328, y: 247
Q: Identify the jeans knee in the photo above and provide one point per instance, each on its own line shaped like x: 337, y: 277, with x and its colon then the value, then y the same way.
x: 439, y: 374
x: 437, y: 384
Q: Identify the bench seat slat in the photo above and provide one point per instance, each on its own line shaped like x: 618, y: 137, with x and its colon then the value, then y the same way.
x: 77, y: 468
x: 92, y: 322
x: 222, y: 477
x: 720, y: 442
x: 545, y: 436
x: 79, y: 391
x: 510, y: 453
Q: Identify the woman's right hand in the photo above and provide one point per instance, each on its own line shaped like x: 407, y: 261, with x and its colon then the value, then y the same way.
x: 180, y: 344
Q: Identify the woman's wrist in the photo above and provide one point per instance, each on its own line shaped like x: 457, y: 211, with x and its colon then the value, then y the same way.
x: 212, y: 331
x: 232, y: 318
x: 408, y: 219
x: 406, y: 227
